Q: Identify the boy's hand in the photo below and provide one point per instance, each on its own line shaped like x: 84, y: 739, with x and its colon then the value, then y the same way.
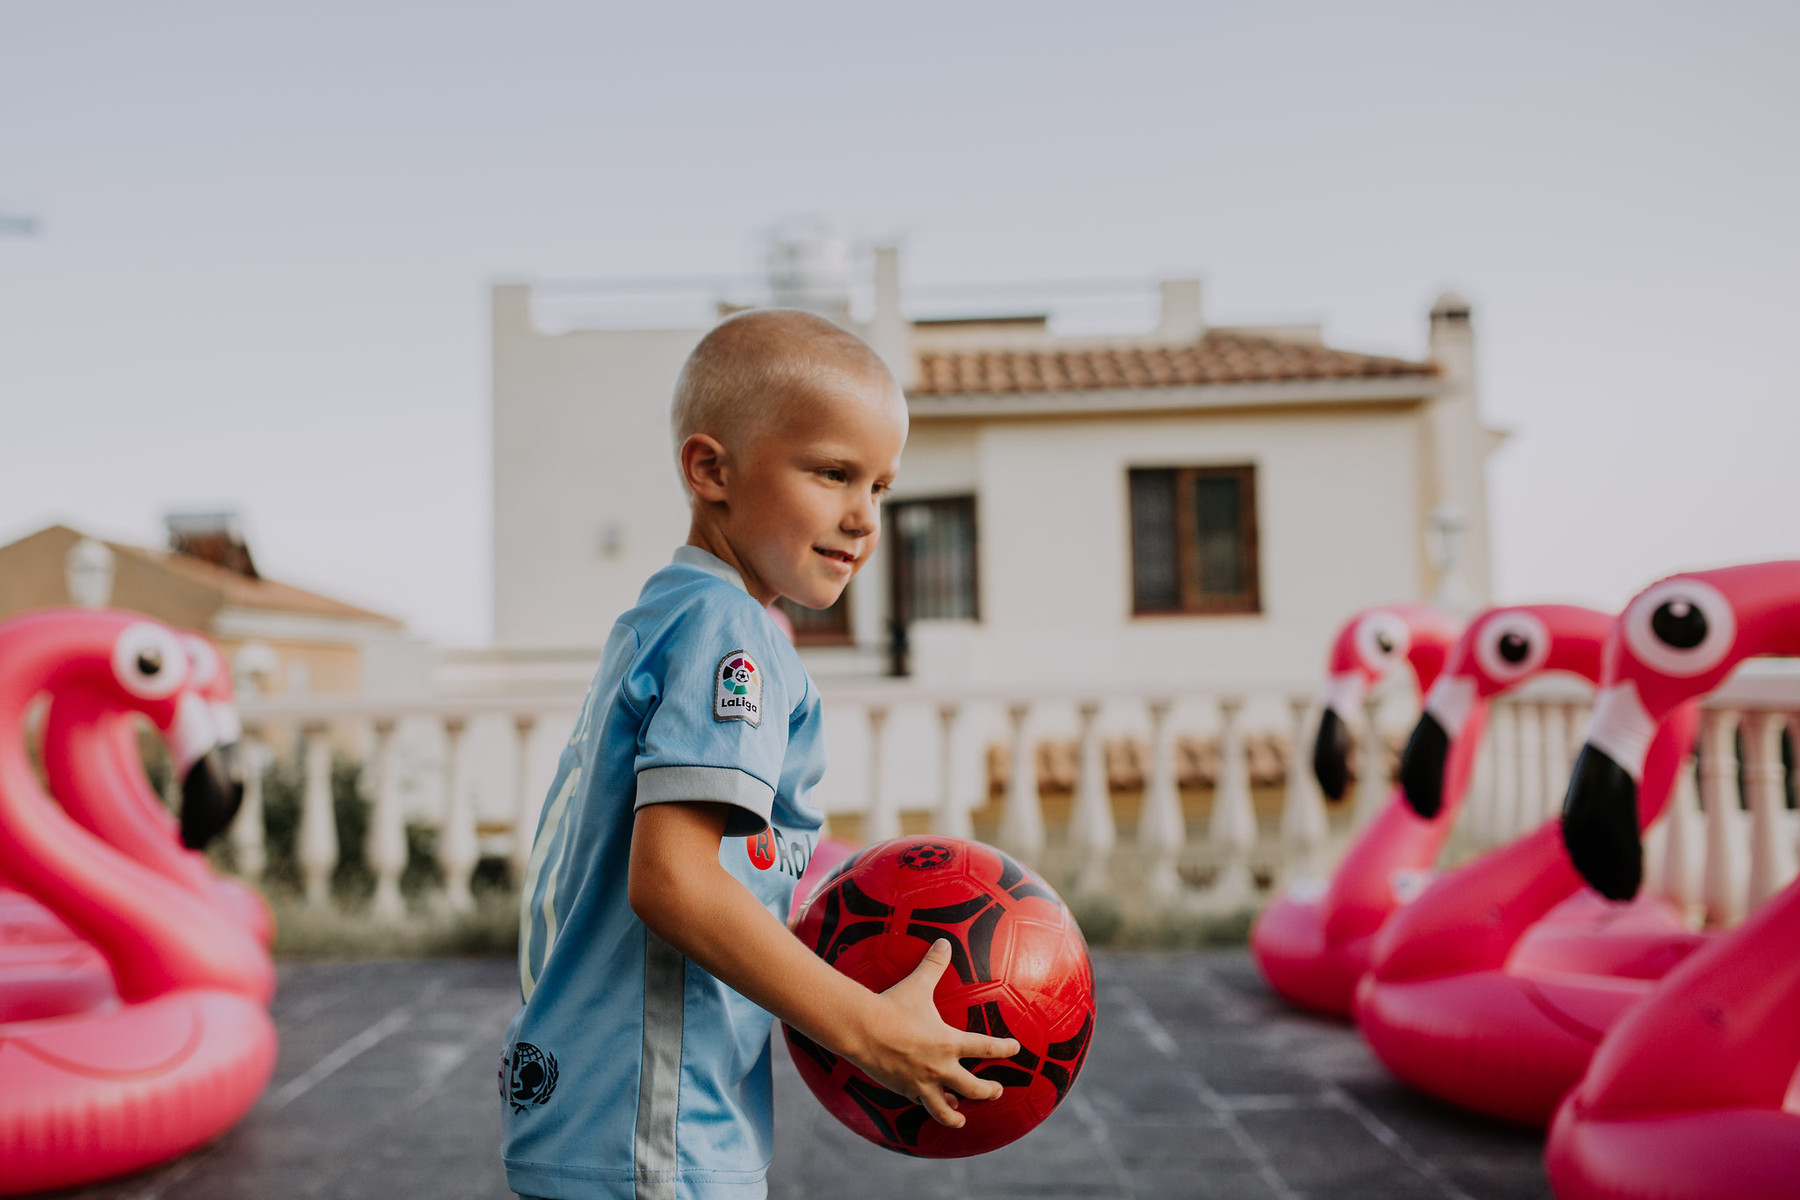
x: 682, y: 894
x: 915, y: 1053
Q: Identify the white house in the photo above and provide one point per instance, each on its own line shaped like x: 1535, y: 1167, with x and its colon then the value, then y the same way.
x: 1188, y: 502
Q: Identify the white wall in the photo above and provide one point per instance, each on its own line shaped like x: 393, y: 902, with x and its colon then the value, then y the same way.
x: 1337, y: 515
x: 581, y: 443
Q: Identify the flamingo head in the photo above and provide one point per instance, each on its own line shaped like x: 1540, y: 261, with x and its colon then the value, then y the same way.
x: 1676, y: 641
x: 1367, y: 649
x: 210, y: 678
x: 142, y: 666
x: 1501, y: 649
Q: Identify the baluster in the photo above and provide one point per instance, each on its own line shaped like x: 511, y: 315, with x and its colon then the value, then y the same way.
x: 386, y: 847
x: 1530, y: 716
x: 1091, y: 829
x: 1718, y: 799
x: 883, y: 819
x: 1476, y: 824
x: 247, y: 829
x: 457, y: 849
x: 524, y: 800
x: 1022, y: 820
x: 1556, y: 759
x: 1771, y: 851
x: 1371, y: 781
x: 1503, y: 740
x: 1684, y: 847
x: 952, y: 814
x: 1304, y: 825
x: 1162, y: 829
x: 1232, y: 830
x: 317, y: 848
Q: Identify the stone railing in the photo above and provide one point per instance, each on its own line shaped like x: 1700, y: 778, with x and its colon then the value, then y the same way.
x: 1727, y: 840
x: 1174, y: 797
x: 1171, y: 797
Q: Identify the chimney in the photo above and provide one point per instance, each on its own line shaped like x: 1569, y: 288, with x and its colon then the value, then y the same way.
x: 214, y: 537
x: 890, y: 333
x: 1180, y: 322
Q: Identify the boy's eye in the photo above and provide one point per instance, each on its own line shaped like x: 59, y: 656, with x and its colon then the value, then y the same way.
x: 835, y: 474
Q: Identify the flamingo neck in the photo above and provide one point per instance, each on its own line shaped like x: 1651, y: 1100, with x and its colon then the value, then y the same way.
x: 156, y: 936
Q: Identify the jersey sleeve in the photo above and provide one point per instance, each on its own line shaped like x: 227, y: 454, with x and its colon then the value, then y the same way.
x: 716, y: 707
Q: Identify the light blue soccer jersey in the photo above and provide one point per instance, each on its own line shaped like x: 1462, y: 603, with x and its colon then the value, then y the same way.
x: 631, y: 1072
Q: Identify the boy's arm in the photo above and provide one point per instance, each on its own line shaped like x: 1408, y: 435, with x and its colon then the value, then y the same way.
x: 682, y: 894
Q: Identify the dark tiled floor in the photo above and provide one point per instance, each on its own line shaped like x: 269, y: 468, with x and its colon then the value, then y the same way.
x: 1199, y: 1084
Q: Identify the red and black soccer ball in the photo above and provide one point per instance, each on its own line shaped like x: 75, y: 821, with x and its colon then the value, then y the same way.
x: 1019, y: 968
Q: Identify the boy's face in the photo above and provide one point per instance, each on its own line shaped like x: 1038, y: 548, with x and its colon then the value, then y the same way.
x: 805, y: 503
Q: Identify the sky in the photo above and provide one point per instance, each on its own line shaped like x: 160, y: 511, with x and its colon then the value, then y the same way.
x: 268, y: 232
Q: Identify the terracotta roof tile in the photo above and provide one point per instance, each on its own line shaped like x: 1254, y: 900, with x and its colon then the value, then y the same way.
x: 1220, y: 356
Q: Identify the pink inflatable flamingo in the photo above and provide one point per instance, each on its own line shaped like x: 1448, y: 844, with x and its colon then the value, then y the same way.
x: 1696, y: 1092
x: 1312, y: 942
x: 190, y: 1046
x: 91, y: 759
x: 1492, y: 989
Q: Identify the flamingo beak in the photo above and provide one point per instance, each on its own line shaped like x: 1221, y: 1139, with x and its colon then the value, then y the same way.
x: 211, y: 789
x: 1331, y: 755
x: 1331, y: 747
x: 1447, y: 707
x: 210, y: 796
x: 1600, y: 824
x: 1422, y: 766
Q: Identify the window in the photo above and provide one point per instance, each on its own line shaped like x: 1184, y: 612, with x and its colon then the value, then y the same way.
x: 933, y: 559
x: 1193, y: 540
x: 820, y: 626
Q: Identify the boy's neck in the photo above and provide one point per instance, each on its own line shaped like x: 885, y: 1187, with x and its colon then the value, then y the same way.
x: 709, y: 537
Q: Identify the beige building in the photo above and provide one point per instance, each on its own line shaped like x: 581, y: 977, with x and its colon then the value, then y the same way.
x: 290, y: 639
x: 1193, y: 503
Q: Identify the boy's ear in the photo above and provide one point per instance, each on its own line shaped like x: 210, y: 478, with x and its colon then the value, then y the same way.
x: 703, y: 466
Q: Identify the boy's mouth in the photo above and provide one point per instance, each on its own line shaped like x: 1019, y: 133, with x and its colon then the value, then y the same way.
x: 842, y: 556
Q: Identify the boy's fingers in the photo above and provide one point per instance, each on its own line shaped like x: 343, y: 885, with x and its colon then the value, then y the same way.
x: 974, y: 1087
x: 980, y: 1045
x: 941, y: 1111
x: 931, y: 967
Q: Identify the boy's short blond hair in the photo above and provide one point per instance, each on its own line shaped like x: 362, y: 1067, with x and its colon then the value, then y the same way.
x: 755, y: 366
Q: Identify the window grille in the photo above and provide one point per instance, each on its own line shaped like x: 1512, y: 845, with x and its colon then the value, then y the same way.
x: 933, y: 559
x: 1194, y: 540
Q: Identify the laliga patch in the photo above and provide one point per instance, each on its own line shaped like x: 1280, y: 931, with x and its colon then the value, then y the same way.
x: 737, y: 689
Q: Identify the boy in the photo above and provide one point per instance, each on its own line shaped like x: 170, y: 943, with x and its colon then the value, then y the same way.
x: 652, y: 945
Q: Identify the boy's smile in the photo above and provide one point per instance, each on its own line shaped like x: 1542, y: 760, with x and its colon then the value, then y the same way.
x: 798, y: 510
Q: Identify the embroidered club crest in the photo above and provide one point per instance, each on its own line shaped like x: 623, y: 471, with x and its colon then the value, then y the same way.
x: 737, y: 689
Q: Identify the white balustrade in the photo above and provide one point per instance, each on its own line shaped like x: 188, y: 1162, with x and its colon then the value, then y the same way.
x: 1372, y: 789
x: 1771, y: 838
x: 952, y: 813
x: 425, y: 763
x: 1232, y: 830
x: 883, y: 818
x: 1091, y: 828
x: 316, y: 841
x: 457, y: 850
x: 1162, y: 827
x: 1022, y: 820
x: 1718, y: 801
x: 1305, y: 825
x: 247, y: 835
x: 525, y: 801
x: 386, y: 847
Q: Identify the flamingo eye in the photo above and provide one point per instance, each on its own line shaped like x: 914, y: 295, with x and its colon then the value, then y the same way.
x: 1512, y: 646
x: 1681, y: 627
x: 203, y: 660
x: 148, y: 662
x: 1382, y: 638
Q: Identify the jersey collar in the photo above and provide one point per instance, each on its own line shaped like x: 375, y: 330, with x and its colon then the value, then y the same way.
x: 712, y: 564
